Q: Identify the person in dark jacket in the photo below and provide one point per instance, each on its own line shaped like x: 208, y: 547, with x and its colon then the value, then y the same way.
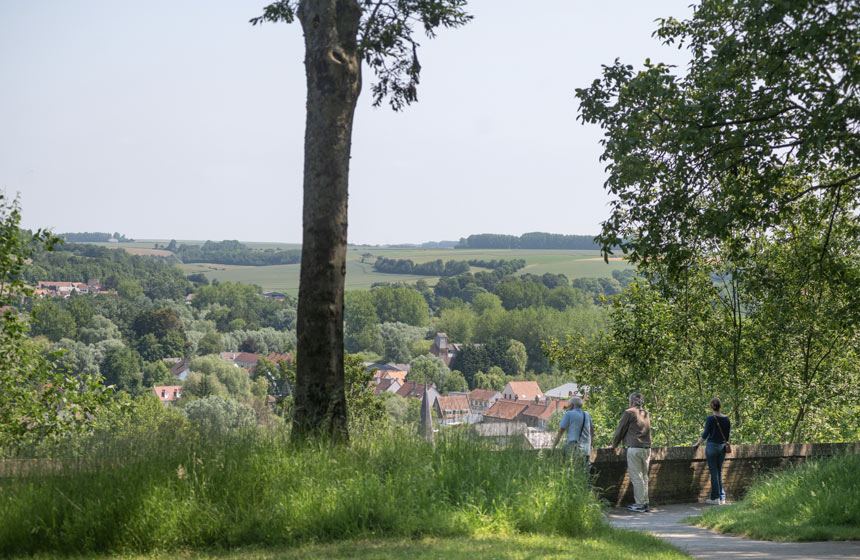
x: 634, y: 431
x: 717, y: 431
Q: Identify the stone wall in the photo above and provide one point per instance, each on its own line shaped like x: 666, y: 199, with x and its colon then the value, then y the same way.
x: 680, y: 474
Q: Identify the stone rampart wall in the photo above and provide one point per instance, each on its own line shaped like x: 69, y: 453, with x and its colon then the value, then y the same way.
x: 680, y: 474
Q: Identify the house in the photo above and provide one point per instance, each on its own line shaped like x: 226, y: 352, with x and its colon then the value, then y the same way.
x: 387, y: 366
x: 61, y: 289
x: 442, y: 349
x: 180, y: 369
x: 452, y: 409
x: 400, y: 376
x: 411, y: 390
x: 387, y: 386
x: 276, y: 296
x: 538, y: 414
x: 566, y: 391
x: 168, y: 394
x: 522, y: 390
x: 505, y: 411
x: 276, y: 357
x: 246, y: 360
x: 482, y: 399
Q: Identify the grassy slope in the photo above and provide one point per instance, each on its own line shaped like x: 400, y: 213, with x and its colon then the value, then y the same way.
x: 620, y: 545
x: 816, y: 501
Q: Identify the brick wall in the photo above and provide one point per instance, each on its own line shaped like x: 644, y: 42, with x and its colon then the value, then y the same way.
x: 680, y: 474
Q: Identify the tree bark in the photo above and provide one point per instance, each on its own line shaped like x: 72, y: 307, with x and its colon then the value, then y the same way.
x: 333, y: 69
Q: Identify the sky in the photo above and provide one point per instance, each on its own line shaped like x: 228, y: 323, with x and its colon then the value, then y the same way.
x: 178, y: 119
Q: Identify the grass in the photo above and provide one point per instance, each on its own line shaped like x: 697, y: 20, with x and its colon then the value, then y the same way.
x: 159, y: 485
x: 814, y: 501
x: 620, y: 545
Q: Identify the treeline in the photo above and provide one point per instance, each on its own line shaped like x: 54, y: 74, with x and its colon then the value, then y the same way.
x: 233, y: 252
x: 534, y: 240
x: 503, y: 266
x: 94, y: 237
x: 432, y: 268
x: 113, y: 268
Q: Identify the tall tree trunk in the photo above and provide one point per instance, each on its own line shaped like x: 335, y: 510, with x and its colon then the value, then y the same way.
x: 333, y: 69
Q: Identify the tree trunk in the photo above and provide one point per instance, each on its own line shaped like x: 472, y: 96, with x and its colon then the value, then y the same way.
x: 333, y: 69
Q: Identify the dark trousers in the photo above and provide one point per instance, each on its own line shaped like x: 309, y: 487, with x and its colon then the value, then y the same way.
x: 715, y: 453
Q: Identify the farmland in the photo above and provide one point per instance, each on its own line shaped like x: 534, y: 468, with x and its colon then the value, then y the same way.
x: 360, y: 258
x: 360, y: 274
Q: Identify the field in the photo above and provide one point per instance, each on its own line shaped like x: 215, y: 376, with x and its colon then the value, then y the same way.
x: 360, y: 274
x: 359, y: 267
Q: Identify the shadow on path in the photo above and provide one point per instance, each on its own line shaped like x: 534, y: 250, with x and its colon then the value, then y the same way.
x: 663, y: 521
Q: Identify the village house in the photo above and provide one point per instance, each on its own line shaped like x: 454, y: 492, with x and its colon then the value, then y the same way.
x: 277, y: 357
x: 411, y: 390
x: 566, y: 391
x: 246, y: 360
x: 61, y: 289
x: 522, y: 390
x: 505, y: 411
x: 388, y: 385
x: 482, y: 399
x: 168, y: 394
x: 538, y: 414
x: 452, y: 409
x: 179, y: 367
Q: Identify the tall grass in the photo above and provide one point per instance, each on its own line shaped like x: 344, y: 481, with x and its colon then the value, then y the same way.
x: 163, y: 485
x: 817, y: 500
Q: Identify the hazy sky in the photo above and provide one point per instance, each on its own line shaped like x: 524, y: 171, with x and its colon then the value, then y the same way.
x: 178, y: 119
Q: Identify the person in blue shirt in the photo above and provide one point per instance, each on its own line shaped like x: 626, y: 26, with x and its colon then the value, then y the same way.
x: 578, y: 426
x: 717, y: 432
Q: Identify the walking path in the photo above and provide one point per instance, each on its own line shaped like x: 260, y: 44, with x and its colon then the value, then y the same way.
x: 663, y: 521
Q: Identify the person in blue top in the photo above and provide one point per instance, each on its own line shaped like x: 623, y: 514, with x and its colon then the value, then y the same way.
x: 577, y: 424
x: 717, y: 432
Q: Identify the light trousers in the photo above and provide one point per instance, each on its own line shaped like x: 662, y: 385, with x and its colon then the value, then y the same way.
x: 638, y: 459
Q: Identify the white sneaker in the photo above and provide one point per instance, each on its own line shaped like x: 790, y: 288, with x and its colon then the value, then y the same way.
x: 722, y: 502
x: 713, y: 502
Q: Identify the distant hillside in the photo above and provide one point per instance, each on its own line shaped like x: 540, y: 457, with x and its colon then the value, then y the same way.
x: 534, y: 240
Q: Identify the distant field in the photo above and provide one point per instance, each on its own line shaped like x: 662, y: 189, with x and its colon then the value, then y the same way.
x: 360, y: 274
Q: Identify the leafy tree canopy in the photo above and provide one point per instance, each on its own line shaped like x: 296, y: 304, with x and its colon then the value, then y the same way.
x: 770, y: 96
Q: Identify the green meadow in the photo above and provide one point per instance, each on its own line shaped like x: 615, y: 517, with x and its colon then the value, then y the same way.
x: 360, y: 274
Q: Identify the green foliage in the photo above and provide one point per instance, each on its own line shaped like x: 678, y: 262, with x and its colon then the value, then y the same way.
x: 769, y: 95
x: 234, y: 253
x: 215, y: 415
x: 121, y: 368
x: 431, y: 268
x: 158, y: 485
x: 47, y: 318
x: 156, y: 373
x: 218, y: 373
x: 38, y: 401
x: 814, y: 501
x: 535, y: 240
x: 400, y: 304
x: 209, y: 344
x: 397, y: 339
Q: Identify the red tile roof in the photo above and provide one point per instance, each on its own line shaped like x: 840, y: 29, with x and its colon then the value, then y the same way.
x: 484, y: 394
x: 168, y: 393
x: 275, y: 357
x: 455, y: 403
x: 524, y: 390
x: 545, y: 410
x: 505, y: 409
